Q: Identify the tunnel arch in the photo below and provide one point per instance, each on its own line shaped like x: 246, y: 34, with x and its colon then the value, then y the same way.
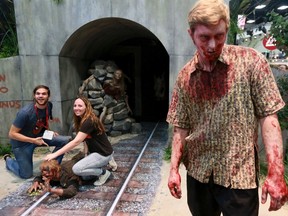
x: 134, y: 48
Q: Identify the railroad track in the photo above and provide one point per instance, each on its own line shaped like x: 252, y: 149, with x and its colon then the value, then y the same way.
x: 129, y: 192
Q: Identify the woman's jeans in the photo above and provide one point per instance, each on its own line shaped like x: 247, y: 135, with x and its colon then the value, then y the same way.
x: 22, y: 165
x: 91, y: 165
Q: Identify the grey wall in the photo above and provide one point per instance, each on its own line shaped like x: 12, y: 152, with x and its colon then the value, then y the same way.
x: 56, y: 42
x: 10, y: 93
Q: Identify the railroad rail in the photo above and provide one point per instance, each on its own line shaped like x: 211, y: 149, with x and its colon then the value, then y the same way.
x: 129, y: 192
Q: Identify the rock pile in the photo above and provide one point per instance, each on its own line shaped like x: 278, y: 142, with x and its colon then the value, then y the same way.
x: 116, y: 119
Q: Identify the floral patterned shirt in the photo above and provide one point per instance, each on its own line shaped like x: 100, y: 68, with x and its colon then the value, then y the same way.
x: 222, y: 109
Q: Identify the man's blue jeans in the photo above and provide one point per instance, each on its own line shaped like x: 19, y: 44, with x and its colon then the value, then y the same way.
x: 22, y: 165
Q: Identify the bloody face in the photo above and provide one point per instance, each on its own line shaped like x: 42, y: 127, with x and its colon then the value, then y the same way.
x: 209, y: 40
x: 118, y: 74
x: 50, y: 170
x: 50, y: 175
x: 47, y: 174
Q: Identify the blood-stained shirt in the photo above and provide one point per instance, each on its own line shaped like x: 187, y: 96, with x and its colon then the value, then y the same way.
x: 222, y: 109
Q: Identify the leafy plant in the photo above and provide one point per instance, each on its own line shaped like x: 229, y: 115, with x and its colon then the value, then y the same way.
x: 8, y: 34
x: 282, y: 82
x: 279, y: 30
x: 9, y: 44
x: 234, y: 6
x: 233, y: 31
x: 167, y: 153
x: 5, y: 149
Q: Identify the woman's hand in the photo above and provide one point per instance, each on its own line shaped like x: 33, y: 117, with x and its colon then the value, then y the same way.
x: 50, y: 156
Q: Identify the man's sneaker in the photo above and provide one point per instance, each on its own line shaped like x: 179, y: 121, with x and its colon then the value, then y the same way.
x: 112, y: 164
x: 6, y: 156
x: 102, y: 178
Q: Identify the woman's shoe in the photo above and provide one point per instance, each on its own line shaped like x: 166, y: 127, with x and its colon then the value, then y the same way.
x: 102, y: 178
x: 112, y: 164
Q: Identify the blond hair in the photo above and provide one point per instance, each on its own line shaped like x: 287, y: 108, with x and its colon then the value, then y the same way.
x: 208, y: 12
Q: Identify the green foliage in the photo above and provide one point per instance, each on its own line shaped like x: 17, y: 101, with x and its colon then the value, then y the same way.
x: 282, y: 82
x: 8, y: 33
x: 233, y: 31
x: 8, y: 36
x: 167, y: 153
x: 5, y: 149
x: 279, y: 30
x: 235, y: 6
x: 9, y: 44
x: 244, y: 5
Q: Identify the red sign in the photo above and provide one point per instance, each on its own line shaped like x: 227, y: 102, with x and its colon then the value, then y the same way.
x: 269, y: 43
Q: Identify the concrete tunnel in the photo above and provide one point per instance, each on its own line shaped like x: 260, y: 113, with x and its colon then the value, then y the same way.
x: 137, y: 51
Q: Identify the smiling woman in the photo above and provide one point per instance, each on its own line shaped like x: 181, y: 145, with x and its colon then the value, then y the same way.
x: 90, y: 130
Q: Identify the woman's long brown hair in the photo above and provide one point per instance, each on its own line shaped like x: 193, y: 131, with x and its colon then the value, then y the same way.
x: 89, y: 114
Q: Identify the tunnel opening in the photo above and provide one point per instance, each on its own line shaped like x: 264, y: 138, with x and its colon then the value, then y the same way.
x: 153, y: 63
x: 135, y: 50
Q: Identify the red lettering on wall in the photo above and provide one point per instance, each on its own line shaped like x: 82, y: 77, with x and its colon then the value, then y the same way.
x: 10, y: 104
x: 3, y: 90
x: 2, y: 77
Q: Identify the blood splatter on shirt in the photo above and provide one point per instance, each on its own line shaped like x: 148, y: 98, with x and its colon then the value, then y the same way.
x: 222, y: 109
